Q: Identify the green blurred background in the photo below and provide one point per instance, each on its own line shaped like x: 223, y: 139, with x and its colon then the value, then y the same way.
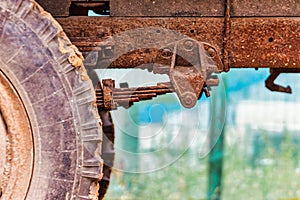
x: 241, y: 143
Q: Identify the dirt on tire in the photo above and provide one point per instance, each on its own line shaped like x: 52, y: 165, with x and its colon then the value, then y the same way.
x: 47, y: 72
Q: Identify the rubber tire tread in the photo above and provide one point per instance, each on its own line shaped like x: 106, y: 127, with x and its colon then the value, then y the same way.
x: 59, y: 98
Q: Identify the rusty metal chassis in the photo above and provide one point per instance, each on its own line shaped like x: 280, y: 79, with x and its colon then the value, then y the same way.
x: 240, y: 42
x: 253, y: 42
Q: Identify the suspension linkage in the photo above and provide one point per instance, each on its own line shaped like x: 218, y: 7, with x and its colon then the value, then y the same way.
x: 109, y: 97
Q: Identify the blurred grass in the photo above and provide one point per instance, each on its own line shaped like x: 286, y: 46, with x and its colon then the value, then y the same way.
x: 178, y: 181
x: 276, y: 180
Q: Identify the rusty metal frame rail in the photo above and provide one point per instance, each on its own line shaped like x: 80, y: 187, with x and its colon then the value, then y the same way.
x: 182, y: 8
x: 256, y: 42
x: 251, y: 42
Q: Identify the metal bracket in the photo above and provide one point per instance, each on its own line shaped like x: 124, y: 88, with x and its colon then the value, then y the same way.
x: 274, y: 73
x: 192, y: 66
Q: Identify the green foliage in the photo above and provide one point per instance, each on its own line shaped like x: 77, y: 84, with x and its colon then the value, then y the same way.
x: 275, y: 176
x: 179, y: 181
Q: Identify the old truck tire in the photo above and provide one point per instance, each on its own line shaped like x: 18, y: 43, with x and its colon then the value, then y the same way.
x: 50, y: 131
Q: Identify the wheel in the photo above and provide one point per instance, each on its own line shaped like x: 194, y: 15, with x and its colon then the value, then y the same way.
x: 50, y: 135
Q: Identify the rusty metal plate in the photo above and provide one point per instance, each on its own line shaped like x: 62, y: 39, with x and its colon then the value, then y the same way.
x: 175, y: 8
x: 254, y: 42
x: 265, y: 42
x: 61, y: 8
x: 182, y: 8
x: 265, y: 8
x: 93, y: 31
x: 57, y: 7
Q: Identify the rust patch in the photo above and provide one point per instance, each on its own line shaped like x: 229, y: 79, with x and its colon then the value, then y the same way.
x: 253, y: 42
x: 57, y: 7
x: 93, y: 34
x: 265, y: 42
x: 94, y: 188
x: 167, y: 8
x: 266, y: 8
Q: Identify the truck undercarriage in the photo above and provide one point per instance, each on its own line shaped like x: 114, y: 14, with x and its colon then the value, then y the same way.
x: 47, y: 63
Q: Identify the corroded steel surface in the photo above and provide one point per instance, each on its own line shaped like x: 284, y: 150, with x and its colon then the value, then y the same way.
x: 91, y: 33
x: 64, y: 8
x: 206, y: 8
x: 274, y: 73
x: 16, y: 151
x: 253, y: 42
x: 57, y: 7
x: 178, y: 8
x: 269, y: 8
x: 265, y: 42
x: 169, y: 8
x: 86, y: 31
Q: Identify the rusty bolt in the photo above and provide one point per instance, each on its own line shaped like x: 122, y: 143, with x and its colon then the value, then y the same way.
x: 189, y: 45
x: 108, y: 52
x: 189, y: 99
x: 211, y: 52
x: 166, y: 53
